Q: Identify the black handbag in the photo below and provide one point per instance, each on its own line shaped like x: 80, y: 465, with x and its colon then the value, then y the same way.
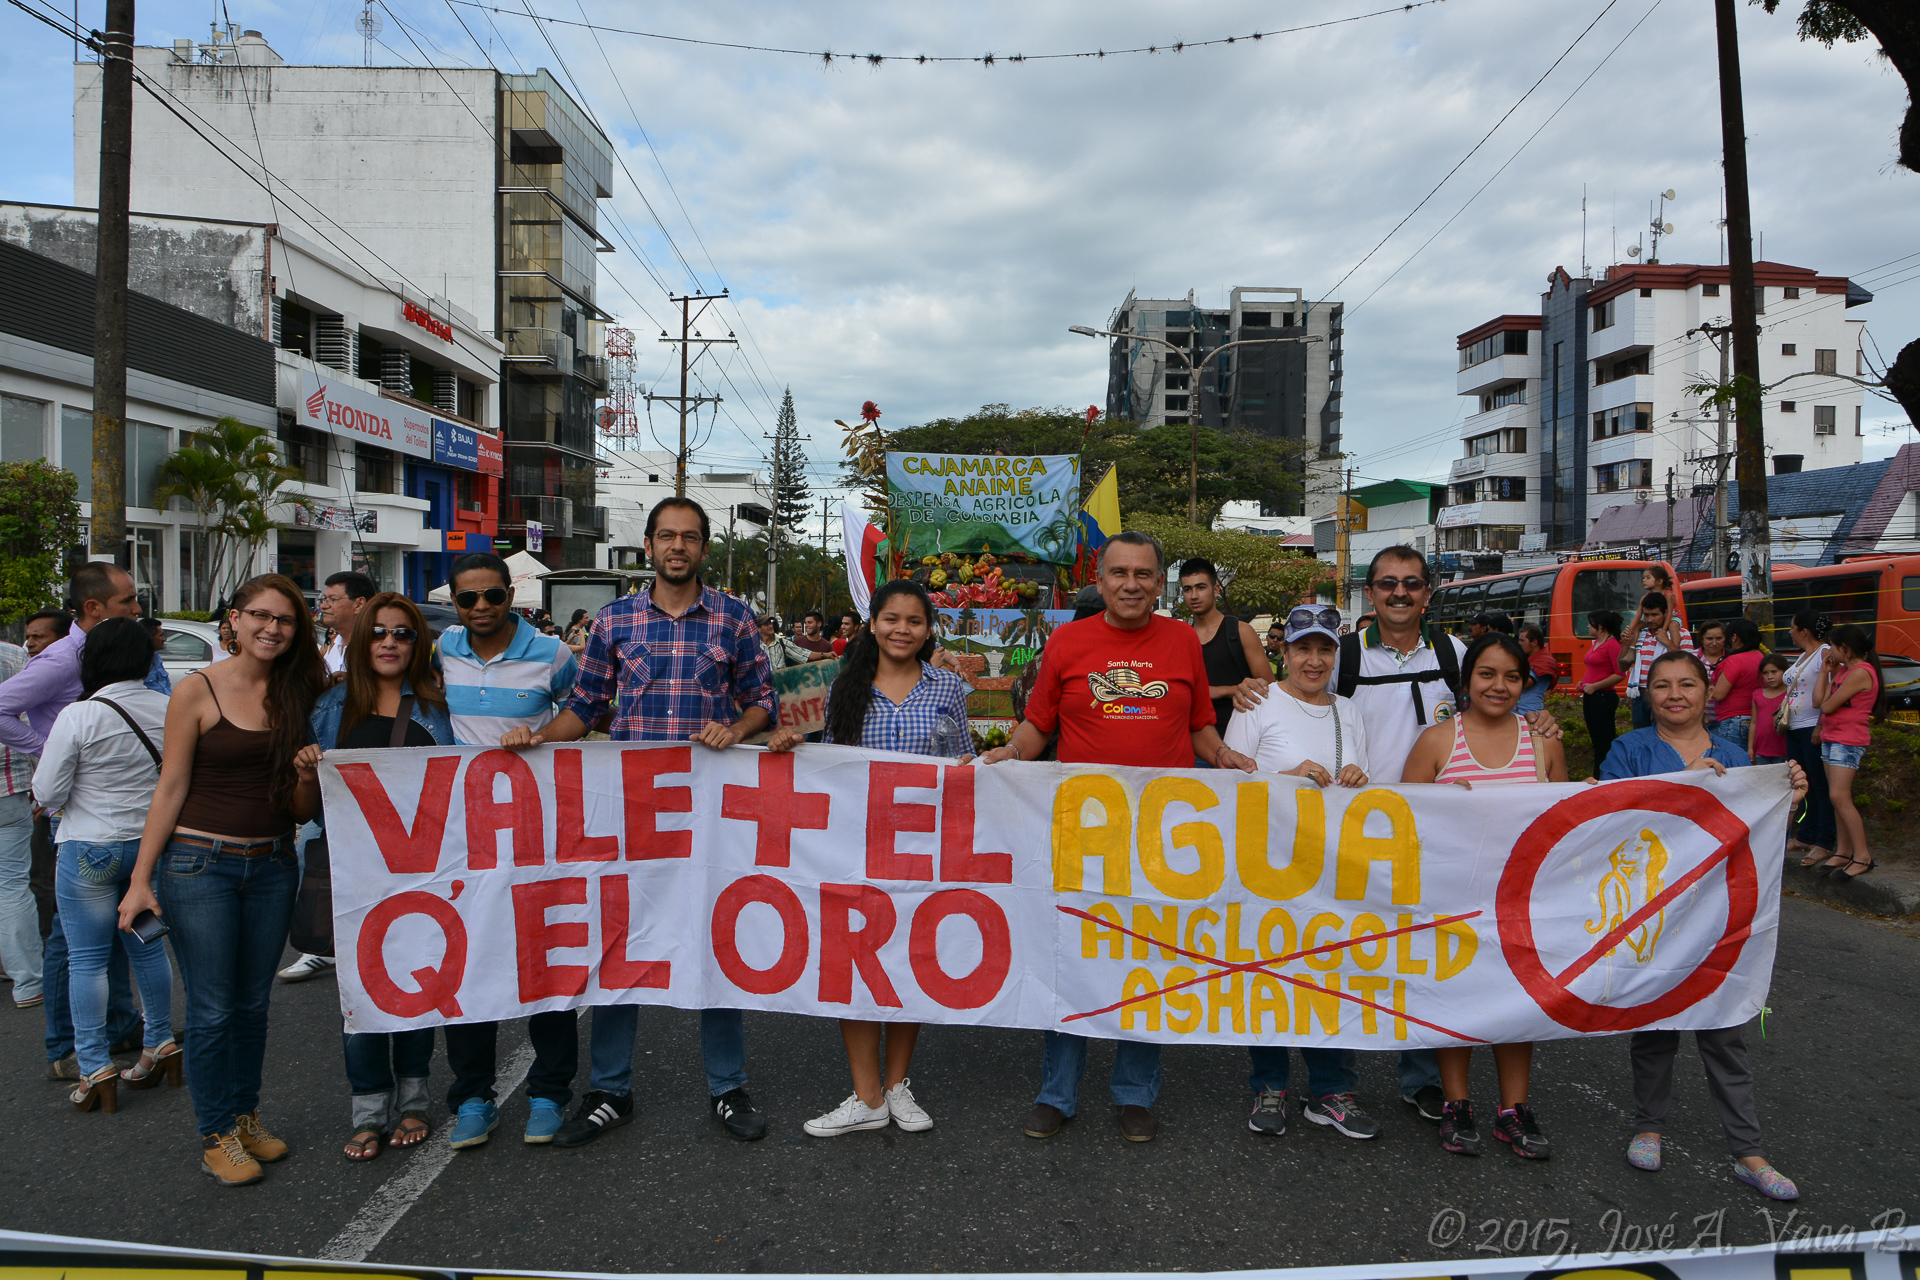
x: 311, y: 929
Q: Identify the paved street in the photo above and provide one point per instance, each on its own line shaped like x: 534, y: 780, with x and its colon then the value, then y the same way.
x: 672, y: 1193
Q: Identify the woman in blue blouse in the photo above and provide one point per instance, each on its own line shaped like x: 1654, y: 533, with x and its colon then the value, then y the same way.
x: 1677, y: 687
x: 889, y: 697
x: 391, y: 697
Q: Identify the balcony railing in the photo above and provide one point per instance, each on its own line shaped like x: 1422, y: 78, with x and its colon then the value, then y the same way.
x: 539, y: 350
x: 590, y: 521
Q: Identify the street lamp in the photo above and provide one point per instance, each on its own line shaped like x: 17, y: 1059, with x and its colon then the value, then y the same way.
x: 1193, y: 457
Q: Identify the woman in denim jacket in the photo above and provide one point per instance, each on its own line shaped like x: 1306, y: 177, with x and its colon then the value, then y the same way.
x: 389, y: 668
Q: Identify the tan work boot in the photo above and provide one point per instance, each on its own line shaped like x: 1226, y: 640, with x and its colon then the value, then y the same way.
x: 260, y: 1144
x: 222, y: 1156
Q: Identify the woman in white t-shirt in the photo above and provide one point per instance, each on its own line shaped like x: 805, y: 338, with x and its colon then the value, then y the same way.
x: 1301, y: 727
x: 1813, y: 833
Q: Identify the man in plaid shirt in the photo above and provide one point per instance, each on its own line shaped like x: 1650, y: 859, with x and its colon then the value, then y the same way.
x: 679, y: 662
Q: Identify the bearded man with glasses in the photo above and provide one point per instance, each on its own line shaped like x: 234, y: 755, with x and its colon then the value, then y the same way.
x: 502, y: 675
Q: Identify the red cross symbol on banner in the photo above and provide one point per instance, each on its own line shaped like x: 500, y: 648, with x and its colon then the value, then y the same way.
x: 777, y: 808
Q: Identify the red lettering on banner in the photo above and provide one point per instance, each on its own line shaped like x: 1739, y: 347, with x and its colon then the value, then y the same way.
x: 886, y: 818
x: 415, y: 852
x: 646, y: 801
x: 785, y: 971
x: 534, y: 937
x: 844, y: 949
x: 795, y: 711
x: 618, y: 971
x: 996, y: 948
x: 958, y: 862
x: 520, y: 812
x: 439, y: 988
x: 776, y: 808
x: 571, y: 841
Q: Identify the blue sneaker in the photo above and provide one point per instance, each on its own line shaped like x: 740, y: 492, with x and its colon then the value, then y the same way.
x: 475, y: 1123
x: 544, y: 1117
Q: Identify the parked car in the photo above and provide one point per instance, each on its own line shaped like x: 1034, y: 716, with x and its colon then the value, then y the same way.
x: 185, y: 647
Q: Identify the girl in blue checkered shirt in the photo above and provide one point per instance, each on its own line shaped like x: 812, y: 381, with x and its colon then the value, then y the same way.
x: 889, y: 697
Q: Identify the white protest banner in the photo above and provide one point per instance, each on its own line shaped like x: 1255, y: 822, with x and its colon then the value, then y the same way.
x: 1178, y: 906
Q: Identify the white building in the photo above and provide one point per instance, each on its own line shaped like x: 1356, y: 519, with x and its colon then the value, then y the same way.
x: 1492, y: 497
x: 632, y: 481
x: 1392, y: 513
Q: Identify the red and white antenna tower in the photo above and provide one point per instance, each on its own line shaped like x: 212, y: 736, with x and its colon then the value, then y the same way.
x: 619, y: 427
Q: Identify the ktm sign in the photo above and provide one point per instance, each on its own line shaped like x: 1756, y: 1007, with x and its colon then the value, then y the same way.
x: 425, y: 319
x: 341, y: 410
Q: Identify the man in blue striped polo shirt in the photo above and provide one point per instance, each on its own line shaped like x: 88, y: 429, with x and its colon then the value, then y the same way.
x: 502, y: 674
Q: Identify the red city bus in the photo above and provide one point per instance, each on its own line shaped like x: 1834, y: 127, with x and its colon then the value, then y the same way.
x: 1878, y: 592
x: 1555, y: 598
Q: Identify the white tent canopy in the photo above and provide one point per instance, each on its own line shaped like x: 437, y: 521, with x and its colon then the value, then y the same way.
x: 525, y: 570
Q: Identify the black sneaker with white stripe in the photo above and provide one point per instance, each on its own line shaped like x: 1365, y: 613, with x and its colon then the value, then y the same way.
x: 598, y: 1112
x: 735, y: 1110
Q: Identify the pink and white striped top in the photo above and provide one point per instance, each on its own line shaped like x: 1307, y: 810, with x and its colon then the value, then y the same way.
x: 1461, y: 766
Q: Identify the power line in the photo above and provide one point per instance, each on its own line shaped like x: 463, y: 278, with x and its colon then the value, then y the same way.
x: 827, y: 57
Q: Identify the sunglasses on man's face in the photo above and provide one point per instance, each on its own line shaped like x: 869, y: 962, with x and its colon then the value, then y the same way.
x: 492, y: 595
x: 404, y: 635
x: 1408, y: 584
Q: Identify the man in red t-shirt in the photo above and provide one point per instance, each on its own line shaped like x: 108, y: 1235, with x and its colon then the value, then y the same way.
x: 1124, y: 687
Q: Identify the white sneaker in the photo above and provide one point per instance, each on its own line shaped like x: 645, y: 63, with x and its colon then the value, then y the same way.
x: 848, y: 1117
x: 307, y: 967
x: 907, y: 1113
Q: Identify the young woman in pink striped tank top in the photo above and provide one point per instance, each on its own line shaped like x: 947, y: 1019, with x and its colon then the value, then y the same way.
x: 1489, y: 743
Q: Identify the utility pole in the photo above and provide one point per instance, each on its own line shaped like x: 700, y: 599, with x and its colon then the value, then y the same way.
x: 1669, y: 515
x: 1756, y: 550
x: 826, y: 508
x: 1721, y: 336
x: 1343, y: 544
x: 110, y: 287
x: 689, y: 337
x: 732, y: 508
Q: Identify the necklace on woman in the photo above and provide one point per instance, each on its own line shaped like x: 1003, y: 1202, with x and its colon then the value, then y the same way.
x: 1305, y: 704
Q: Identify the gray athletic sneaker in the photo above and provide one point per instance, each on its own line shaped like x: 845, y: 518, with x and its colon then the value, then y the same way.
x: 1269, y: 1112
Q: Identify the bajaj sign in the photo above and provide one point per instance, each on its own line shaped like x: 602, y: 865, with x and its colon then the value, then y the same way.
x: 338, y: 409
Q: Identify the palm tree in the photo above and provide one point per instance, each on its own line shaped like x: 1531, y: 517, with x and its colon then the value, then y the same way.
x: 232, y: 475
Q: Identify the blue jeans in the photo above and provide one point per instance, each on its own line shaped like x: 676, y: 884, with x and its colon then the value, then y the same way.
x: 723, y: 1048
x: 1733, y: 729
x: 1136, y: 1071
x: 1643, y: 711
x: 89, y: 881
x: 1418, y: 1069
x: 19, y: 918
x: 123, y: 1020
x: 1816, y: 816
x: 387, y: 1073
x: 229, y: 918
x: 1328, y: 1070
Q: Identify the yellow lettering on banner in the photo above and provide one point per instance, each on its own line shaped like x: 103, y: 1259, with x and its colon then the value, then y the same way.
x: 1289, y: 939
x: 1310, y: 939
x: 1399, y: 1006
x: 1310, y: 1001
x: 1026, y: 486
x: 1465, y: 942
x: 1367, y: 989
x: 1139, y: 983
x: 953, y: 490
x: 1091, y: 932
x: 1163, y: 929
x: 1359, y: 851
x: 1268, y: 997
x: 1368, y: 925
x: 1186, y: 1002
x: 1236, y: 954
x: 1231, y: 997
x: 1202, y: 837
x: 1111, y: 840
x: 1250, y: 838
x: 1197, y: 941
x: 1403, y: 961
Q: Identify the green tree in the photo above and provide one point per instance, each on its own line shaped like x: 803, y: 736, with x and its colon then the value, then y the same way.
x: 39, y: 520
x: 1259, y: 575
x: 232, y: 476
x: 793, y: 498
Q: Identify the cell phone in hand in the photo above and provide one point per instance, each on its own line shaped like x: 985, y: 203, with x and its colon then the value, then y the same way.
x: 147, y: 927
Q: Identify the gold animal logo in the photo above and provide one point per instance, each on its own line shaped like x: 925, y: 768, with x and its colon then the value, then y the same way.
x: 1117, y: 683
x: 1643, y: 858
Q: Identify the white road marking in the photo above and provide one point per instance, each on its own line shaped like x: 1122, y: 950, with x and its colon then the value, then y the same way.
x: 384, y: 1209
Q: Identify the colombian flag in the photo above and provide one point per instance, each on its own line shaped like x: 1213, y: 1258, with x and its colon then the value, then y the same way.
x: 861, y: 541
x: 1099, y: 518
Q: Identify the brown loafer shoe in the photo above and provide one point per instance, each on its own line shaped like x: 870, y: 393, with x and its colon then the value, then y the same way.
x: 67, y: 1068
x: 1044, y: 1120
x: 1138, y: 1125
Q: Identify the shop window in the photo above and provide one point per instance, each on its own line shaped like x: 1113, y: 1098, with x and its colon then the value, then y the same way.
x: 76, y: 448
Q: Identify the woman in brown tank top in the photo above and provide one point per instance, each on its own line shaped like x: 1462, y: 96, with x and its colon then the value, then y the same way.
x: 217, y: 860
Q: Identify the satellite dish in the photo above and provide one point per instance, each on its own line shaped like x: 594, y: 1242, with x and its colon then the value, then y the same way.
x: 1666, y: 228
x: 369, y: 23
x: 1552, y: 276
x: 1667, y: 194
x: 1633, y: 251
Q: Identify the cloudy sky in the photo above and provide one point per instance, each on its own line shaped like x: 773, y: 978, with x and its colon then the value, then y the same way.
x: 922, y: 235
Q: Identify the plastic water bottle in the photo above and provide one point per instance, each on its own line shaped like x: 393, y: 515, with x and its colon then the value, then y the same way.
x: 949, y: 739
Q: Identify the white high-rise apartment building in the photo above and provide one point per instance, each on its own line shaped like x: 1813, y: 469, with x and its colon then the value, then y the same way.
x: 1493, y: 488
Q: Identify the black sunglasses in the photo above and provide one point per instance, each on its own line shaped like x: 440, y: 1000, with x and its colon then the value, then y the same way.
x: 403, y: 634
x: 492, y: 595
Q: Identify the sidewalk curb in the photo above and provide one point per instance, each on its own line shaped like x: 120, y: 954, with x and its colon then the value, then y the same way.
x: 1884, y: 891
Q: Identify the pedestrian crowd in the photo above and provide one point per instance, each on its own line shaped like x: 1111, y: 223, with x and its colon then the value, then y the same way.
x: 189, y: 822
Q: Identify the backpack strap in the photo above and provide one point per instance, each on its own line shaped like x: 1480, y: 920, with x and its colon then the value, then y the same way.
x: 1347, y: 676
x: 401, y: 719
x: 1449, y: 661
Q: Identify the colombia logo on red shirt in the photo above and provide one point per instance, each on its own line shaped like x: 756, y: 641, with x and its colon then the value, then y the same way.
x: 1118, y: 683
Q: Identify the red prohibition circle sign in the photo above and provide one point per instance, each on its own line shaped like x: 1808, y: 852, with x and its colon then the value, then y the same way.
x: 1514, y: 904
